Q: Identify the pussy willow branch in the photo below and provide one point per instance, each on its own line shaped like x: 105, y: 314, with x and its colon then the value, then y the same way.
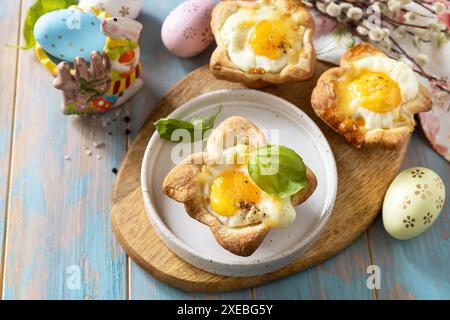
x: 421, y: 3
x: 440, y: 83
x: 398, y: 23
x: 417, y: 13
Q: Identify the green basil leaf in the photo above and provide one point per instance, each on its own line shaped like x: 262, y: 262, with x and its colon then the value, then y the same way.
x: 277, y: 170
x: 38, y: 9
x: 206, y: 123
x: 166, y: 127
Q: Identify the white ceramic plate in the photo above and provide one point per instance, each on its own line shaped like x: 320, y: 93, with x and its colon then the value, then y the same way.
x: 193, y: 241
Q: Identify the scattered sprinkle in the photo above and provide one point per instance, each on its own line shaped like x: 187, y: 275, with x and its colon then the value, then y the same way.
x: 99, y: 157
x: 126, y: 119
x: 127, y: 132
x: 98, y: 144
x: 67, y: 157
x: 88, y: 152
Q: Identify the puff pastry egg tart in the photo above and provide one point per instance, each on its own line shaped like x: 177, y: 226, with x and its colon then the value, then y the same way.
x: 217, y: 189
x: 262, y: 42
x: 370, y: 99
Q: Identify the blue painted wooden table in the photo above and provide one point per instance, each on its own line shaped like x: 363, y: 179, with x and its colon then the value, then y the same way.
x: 55, y: 233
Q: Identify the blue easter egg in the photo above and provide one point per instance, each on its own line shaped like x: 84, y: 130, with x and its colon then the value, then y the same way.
x: 66, y: 34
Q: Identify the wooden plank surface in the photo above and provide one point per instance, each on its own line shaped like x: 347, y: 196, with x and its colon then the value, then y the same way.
x: 341, y: 277
x: 9, y: 31
x: 417, y: 268
x: 58, y: 220
x: 58, y: 211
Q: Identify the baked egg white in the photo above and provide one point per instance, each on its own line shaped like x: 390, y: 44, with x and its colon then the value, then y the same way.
x: 235, y: 200
x: 373, y: 91
x: 261, y: 39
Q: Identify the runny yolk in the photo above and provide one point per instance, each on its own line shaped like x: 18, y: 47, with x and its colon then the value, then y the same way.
x: 269, y: 39
x: 233, y: 190
x: 374, y: 91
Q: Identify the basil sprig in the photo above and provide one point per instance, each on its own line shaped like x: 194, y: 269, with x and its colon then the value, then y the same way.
x: 166, y: 127
x: 277, y: 170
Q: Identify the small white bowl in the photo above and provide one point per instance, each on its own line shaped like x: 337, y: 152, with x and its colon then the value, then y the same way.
x: 285, y: 124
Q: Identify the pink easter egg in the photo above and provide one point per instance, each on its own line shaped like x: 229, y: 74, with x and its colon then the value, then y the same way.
x: 186, y: 31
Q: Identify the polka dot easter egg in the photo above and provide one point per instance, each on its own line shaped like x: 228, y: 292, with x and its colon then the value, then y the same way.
x: 186, y: 31
x: 115, y: 8
x: 69, y: 33
x: 413, y: 202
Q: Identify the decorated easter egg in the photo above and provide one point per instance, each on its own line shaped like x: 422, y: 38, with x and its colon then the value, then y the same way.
x: 413, y: 202
x: 68, y: 33
x: 186, y: 31
x: 115, y: 8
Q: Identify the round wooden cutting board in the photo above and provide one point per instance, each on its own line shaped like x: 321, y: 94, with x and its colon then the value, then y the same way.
x: 364, y: 176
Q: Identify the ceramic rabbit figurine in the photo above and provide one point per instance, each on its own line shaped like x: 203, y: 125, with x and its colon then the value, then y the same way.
x: 112, y: 76
x: 122, y: 49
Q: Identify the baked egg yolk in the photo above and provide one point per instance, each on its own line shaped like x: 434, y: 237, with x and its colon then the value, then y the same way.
x: 374, y: 91
x: 233, y: 190
x: 269, y: 39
